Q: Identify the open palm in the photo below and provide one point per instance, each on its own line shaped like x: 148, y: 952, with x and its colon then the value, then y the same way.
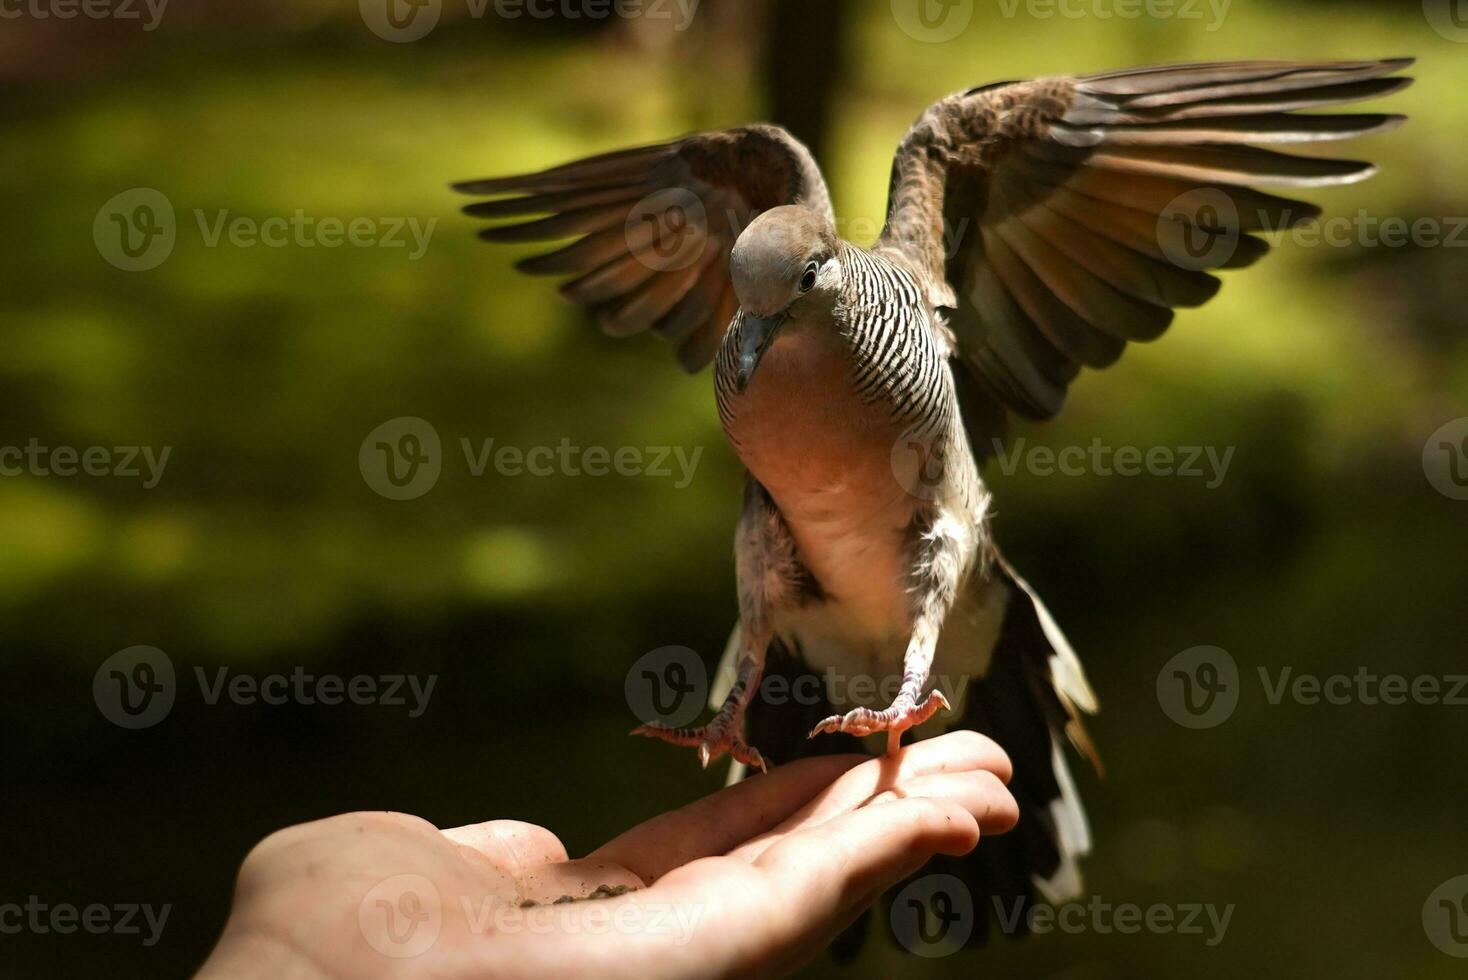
x: 752, y: 879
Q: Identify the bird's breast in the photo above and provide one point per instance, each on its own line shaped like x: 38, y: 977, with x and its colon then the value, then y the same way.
x: 825, y: 457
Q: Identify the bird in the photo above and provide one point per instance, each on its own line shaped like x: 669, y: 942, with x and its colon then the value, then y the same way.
x: 1034, y: 229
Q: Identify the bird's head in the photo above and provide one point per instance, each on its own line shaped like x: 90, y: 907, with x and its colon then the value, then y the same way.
x: 786, y: 254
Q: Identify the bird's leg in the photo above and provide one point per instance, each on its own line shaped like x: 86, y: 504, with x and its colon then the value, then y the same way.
x: 942, y: 552
x: 770, y: 576
x: 905, y: 711
x: 726, y: 732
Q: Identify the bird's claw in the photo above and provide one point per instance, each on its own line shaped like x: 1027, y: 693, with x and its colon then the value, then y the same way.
x: 895, y: 720
x: 712, y: 742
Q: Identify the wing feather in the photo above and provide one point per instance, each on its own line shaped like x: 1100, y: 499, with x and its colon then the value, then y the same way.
x: 1077, y: 204
x: 653, y: 226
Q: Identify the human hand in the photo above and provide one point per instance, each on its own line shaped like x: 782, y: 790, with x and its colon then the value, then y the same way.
x: 754, y: 879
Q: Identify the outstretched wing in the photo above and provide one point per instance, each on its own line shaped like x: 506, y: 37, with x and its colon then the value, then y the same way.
x: 1070, y: 215
x: 653, y: 226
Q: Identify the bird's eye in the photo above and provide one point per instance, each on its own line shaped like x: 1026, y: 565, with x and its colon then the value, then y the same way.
x: 808, y: 281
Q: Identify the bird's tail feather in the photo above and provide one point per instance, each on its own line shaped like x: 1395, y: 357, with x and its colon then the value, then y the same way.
x: 1033, y: 691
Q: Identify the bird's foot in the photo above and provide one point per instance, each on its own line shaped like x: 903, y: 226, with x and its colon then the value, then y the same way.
x: 902, y: 715
x: 712, y: 740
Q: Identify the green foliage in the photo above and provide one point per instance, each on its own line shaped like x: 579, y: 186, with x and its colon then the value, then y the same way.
x: 264, y: 369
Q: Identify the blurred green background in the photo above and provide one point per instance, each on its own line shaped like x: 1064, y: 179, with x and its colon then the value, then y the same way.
x: 263, y: 548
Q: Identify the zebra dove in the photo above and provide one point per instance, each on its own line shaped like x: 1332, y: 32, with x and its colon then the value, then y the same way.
x: 1033, y: 228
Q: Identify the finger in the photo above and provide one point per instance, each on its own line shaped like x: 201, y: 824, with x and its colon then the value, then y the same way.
x: 960, y: 751
x: 509, y: 845
x: 717, y: 823
x: 777, y: 912
x: 979, y: 792
x: 834, y: 869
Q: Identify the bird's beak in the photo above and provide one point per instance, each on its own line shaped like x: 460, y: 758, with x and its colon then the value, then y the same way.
x: 754, y: 340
